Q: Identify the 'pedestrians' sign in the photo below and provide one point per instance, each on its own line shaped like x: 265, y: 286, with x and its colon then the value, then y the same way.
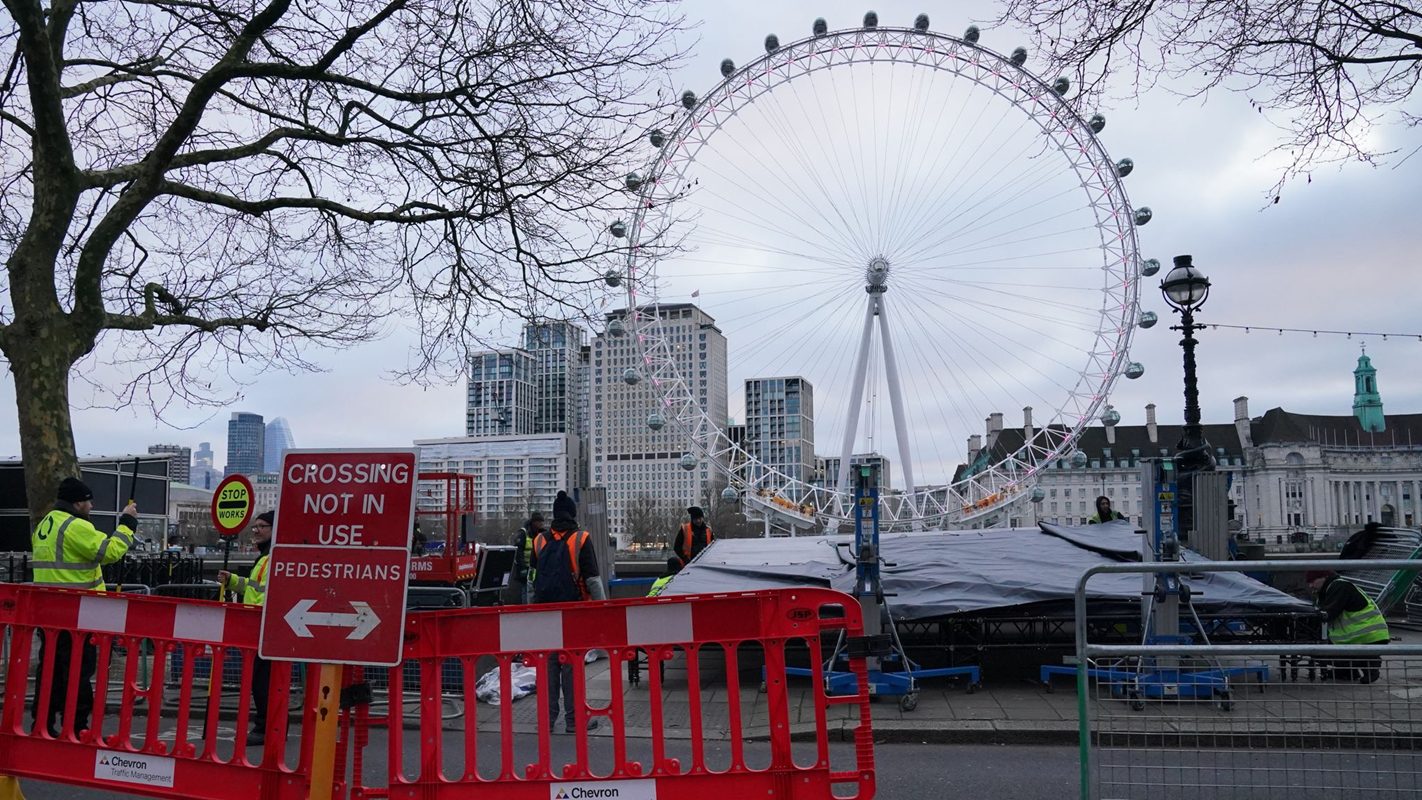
x: 232, y: 505
x: 340, y: 557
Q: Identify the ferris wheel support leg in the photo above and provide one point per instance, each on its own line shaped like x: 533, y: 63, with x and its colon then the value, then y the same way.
x: 856, y: 396
x: 896, y: 401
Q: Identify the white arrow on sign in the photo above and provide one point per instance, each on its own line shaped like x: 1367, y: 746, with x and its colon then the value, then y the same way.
x: 361, y: 623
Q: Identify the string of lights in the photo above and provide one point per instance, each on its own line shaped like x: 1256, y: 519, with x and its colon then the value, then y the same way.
x: 1316, y: 332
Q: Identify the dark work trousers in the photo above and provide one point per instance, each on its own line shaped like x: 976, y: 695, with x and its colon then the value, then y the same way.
x: 59, y: 689
x: 261, y: 688
x: 560, y: 678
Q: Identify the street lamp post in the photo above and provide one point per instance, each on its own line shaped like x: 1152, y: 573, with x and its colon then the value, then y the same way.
x: 1186, y: 289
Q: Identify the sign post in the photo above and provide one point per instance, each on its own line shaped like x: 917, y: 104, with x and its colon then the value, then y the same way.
x: 338, y: 573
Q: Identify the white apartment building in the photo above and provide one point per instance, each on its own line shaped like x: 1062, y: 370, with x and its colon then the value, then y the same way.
x: 502, y: 393
x: 508, y: 471
x: 631, y: 459
x: 780, y: 426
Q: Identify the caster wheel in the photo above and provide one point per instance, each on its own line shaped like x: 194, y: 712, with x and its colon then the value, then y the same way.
x: 973, y: 688
x: 1137, y: 703
x: 762, y: 687
x: 908, y: 702
x: 1226, y: 701
x: 1049, y: 688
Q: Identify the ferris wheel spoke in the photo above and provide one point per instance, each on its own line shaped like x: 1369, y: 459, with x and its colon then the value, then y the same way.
x: 950, y: 223
x: 1009, y: 210
x: 984, y: 357
x: 922, y: 288
x: 976, y: 163
x: 836, y: 237
x: 995, y: 242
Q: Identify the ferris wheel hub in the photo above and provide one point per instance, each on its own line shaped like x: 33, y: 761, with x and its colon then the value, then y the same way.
x: 876, y: 275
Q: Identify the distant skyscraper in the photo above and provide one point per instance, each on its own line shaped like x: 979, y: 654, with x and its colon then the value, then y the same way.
x: 630, y: 458
x: 278, y: 441
x: 246, y: 442
x: 828, y: 468
x: 501, y: 393
x: 556, y: 348
x: 180, y: 466
x: 780, y: 425
x: 204, y: 476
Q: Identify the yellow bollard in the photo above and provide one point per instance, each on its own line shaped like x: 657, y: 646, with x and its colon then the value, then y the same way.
x: 323, y: 751
x: 10, y: 788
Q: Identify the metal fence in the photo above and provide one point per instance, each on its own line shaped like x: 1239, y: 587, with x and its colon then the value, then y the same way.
x: 1188, y: 719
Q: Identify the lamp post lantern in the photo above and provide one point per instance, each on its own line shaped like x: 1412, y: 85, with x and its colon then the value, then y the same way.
x: 1186, y: 289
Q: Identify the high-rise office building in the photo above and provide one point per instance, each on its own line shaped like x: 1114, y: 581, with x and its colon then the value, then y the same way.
x: 501, y: 393
x: 556, y: 348
x: 278, y: 441
x: 628, y: 457
x: 780, y: 426
x: 246, y: 443
x: 180, y: 465
x: 203, y: 475
x: 512, y: 474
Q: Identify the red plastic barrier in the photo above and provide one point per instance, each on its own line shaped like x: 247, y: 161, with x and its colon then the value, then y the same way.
x: 495, y: 755
x: 151, y: 732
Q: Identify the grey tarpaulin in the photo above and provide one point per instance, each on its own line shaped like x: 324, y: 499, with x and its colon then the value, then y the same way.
x: 941, y: 573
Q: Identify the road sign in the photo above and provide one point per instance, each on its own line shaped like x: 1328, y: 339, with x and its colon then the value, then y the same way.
x: 340, y: 557
x: 232, y: 503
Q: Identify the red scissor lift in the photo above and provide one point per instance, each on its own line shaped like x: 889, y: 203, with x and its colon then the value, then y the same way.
x: 444, y: 510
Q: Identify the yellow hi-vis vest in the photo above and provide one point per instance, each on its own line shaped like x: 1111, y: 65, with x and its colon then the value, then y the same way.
x: 1367, y: 626
x: 252, y: 588
x: 659, y: 585
x: 69, y: 551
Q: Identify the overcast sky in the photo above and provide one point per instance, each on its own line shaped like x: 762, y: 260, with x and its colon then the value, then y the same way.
x: 1339, y: 253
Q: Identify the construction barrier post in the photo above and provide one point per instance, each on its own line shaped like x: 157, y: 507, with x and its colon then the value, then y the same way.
x: 328, y: 711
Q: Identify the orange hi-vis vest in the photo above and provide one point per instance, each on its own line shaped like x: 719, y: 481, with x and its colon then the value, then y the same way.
x: 575, y: 541
x: 687, y: 537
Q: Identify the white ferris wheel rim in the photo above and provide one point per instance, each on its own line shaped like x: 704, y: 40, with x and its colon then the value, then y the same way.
x: 995, y: 483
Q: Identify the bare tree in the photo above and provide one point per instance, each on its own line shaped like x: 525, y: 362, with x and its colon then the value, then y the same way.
x: 189, y: 184
x: 727, y: 518
x: 650, y: 522
x: 1334, y: 67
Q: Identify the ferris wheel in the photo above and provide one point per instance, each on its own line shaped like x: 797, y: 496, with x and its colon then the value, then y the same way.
x: 913, y: 233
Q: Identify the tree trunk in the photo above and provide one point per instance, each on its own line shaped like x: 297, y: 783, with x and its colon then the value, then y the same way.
x: 41, y: 367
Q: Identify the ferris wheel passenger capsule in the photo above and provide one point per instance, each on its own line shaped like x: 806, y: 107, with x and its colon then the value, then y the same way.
x: 1078, y: 459
x: 1150, y: 266
x: 1019, y: 56
x: 772, y: 43
x: 972, y: 34
x: 920, y: 23
x: 657, y: 138
x: 1111, y: 417
x: 1061, y: 86
x: 820, y: 27
x: 1143, y: 215
x: 688, y: 99
x: 871, y: 19
x: 688, y: 462
x: 1148, y: 319
x: 613, y: 278
x: 633, y: 181
x: 1134, y: 370
x: 727, y: 67
x: 618, y: 229
x: 656, y: 421
x: 630, y: 377
x: 1124, y: 167
x: 729, y: 495
x: 616, y: 328
x: 1097, y: 123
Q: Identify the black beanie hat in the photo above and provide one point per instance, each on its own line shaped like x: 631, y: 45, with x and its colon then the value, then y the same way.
x: 695, y: 512
x: 73, y: 490
x: 565, y: 511
x: 269, y: 517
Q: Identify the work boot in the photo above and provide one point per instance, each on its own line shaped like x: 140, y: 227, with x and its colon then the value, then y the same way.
x: 1370, y: 676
